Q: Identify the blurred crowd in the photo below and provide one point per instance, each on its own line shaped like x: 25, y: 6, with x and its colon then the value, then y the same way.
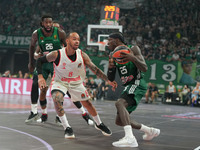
x: 167, y: 30
x: 184, y: 95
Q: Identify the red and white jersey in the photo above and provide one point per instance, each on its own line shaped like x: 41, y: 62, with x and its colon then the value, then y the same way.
x: 70, y: 72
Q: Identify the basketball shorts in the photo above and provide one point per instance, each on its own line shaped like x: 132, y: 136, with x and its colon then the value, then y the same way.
x: 133, y: 94
x: 77, y: 92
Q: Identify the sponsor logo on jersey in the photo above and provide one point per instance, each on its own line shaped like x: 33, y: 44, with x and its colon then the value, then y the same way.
x: 64, y: 64
x: 79, y: 65
x: 82, y: 95
x: 55, y: 36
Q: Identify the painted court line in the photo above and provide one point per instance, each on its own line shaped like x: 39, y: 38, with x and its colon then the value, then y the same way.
x: 42, y: 141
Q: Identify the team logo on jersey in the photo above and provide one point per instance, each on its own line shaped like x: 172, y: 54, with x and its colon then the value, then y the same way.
x: 82, y: 95
x: 79, y: 65
x: 64, y: 64
x: 55, y: 36
x: 41, y: 38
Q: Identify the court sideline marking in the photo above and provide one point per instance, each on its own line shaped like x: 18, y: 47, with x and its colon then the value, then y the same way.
x: 42, y: 141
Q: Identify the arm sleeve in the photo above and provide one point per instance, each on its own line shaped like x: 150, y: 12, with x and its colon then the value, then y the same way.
x: 111, y: 74
x: 39, y: 63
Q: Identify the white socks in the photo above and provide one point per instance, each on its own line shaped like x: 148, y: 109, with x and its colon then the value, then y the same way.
x: 145, y: 129
x: 128, y: 131
x: 44, y: 111
x: 34, y: 108
x: 64, y: 121
x: 97, y: 119
x: 82, y: 109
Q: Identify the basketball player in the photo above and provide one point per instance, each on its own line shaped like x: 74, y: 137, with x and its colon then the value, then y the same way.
x: 49, y: 38
x: 135, y: 88
x: 69, y: 74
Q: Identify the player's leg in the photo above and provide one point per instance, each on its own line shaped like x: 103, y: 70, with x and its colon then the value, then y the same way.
x: 79, y: 93
x: 123, y: 120
x: 43, y: 104
x: 34, y: 99
x: 85, y: 115
x: 58, y: 98
x: 43, y: 101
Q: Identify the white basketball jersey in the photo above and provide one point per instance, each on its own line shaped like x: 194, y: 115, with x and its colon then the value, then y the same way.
x: 68, y: 71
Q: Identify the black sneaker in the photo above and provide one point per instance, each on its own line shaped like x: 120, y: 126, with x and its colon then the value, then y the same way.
x: 32, y: 117
x: 105, y: 130
x: 88, y: 119
x: 58, y: 121
x: 69, y: 133
x: 43, y: 118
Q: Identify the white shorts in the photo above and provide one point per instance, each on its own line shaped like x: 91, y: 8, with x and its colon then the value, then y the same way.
x: 77, y: 92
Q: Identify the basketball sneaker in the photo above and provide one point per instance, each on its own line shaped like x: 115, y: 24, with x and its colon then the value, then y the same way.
x: 32, y: 117
x: 153, y: 133
x: 43, y: 118
x: 126, y: 142
x: 69, y: 133
x: 88, y: 119
x: 58, y: 121
x: 105, y: 130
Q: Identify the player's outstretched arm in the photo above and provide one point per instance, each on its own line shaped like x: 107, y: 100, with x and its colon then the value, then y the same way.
x: 44, y: 59
x: 136, y: 57
x: 96, y: 70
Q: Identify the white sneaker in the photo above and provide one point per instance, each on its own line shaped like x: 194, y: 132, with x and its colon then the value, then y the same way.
x: 153, y: 133
x: 126, y: 142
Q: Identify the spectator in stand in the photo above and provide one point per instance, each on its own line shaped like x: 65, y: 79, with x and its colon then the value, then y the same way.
x: 171, y: 89
x: 7, y: 74
x: 183, y: 93
x: 98, y: 82
x: 175, y: 56
x: 152, y: 92
x: 195, y: 93
x: 26, y: 76
x: 93, y: 89
x: 19, y: 75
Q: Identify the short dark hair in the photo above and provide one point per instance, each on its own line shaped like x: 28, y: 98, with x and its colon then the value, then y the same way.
x: 46, y: 16
x: 118, y: 35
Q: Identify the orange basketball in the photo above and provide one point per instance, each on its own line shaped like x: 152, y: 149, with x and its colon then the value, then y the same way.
x: 116, y: 53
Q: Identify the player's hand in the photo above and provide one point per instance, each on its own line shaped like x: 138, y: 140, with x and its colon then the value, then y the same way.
x: 127, y: 56
x: 111, y: 63
x: 113, y: 84
x: 30, y: 67
x: 41, y: 82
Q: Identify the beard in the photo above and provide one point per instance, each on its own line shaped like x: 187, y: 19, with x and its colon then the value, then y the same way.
x: 48, y: 30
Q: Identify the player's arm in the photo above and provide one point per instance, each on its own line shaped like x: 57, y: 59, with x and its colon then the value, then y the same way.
x: 38, y: 53
x: 111, y: 69
x: 32, y: 46
x: 44, y: 59
x: 136, y: 57
x: 62, y: 36
x: 96, y: 70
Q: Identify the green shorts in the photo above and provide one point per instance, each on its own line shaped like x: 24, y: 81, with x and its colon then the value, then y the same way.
x: 47, y: 68
x: 133, y: 94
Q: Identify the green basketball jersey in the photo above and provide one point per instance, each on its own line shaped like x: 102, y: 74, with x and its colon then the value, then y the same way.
x: 50, y: 43
x: 129, y: 74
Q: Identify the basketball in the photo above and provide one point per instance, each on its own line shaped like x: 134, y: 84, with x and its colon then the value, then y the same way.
x: 116, y: 53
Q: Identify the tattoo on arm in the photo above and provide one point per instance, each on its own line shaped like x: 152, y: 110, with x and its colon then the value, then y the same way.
x: 97, y: 71
x: 93, y: 67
